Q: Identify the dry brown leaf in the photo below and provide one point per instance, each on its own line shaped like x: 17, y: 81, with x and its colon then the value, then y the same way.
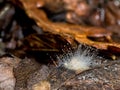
x: 46, y: 42
x: 79, y: 32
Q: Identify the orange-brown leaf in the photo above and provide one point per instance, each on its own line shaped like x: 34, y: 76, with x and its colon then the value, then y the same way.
x: 80, y: 33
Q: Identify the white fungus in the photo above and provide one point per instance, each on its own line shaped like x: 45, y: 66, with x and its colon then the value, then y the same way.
x: 79, y: 60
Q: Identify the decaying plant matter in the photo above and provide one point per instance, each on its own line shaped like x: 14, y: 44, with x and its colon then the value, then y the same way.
x: 61, y: 44
x: 79, y: 32
x: 7, y: 78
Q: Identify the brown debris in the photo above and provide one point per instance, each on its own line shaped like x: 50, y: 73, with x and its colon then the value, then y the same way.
x: 7, y: 79
x: 59, y: 54
x: 46, y: 42
x: 22, y: 72
x: 104, y: 78
x: 80, y: 33
x: 43, y: 85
